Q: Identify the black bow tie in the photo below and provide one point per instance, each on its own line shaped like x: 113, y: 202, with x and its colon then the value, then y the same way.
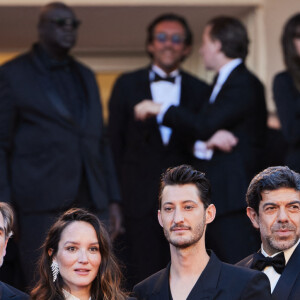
x: 159, y: 78
x: 260, y: 262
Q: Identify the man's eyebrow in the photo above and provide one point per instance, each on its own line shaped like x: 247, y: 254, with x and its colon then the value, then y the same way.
x: 275, y: 204
x: 270, y: 203
x: 294, y: 202
x: 184, y: 202
x: 2, y: 229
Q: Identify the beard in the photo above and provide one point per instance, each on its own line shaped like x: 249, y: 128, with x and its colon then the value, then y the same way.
x: 183, y: 242
x: 276, y: 244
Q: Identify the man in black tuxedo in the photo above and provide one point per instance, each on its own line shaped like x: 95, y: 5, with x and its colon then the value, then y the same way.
x: 6, y: 224
x: 273, y: 199
x: 230, y: 129
x: 142, y: 150
x: 53, y: 153
x: 185, y: 210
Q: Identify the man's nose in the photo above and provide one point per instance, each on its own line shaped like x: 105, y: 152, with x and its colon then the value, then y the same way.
x: 282, y: 215
x: 178, y: 216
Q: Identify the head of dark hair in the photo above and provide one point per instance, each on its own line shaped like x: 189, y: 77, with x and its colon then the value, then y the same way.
x: 172, y: 18
x: 270, y: 179
x: 106, y: 285
x: 49, y: 7
x: 8, y: 219
x: 291, y: 30
x: 232, y: 34
x: 185, y: 174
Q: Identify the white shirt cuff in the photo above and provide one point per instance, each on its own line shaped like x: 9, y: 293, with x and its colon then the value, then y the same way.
x: 201, y: 151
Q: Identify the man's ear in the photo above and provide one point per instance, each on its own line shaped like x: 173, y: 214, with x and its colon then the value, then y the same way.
x: 150, y: 47
x: 210, y: 214
x: 159, y: 218
x: 253, y: 216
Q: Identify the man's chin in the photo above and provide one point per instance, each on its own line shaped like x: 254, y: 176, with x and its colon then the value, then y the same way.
x: 183, y: 244
x: 283, y: 243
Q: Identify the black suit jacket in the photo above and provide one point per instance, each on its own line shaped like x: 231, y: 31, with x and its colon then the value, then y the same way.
x: 43, y: 149
x: 287, y: 99
x: 139, y: 152
x: 288, y: 285
x: 9, y: 292
x: 218, y: 281
x: 240, y: 108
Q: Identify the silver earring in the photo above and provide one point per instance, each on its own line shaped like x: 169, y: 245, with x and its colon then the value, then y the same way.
x: 55, y: 270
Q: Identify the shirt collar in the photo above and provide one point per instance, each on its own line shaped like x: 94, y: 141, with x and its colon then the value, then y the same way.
x: 287, y: 253
x: 225, y: 71
x: 162, y: 73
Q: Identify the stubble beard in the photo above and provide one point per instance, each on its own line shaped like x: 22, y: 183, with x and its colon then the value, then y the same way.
x: 276, y: 244
x: 182, y: 242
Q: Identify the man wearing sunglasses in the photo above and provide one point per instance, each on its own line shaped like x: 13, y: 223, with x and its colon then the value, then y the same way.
x: 231, y: 132
x: 53, y: 153
x: 143, y: 150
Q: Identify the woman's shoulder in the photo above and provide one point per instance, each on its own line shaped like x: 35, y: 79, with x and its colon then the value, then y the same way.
x: 283, y: 75
x: 282, y: 80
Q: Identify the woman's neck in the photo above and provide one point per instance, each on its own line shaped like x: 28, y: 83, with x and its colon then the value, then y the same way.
x: 81, y: 294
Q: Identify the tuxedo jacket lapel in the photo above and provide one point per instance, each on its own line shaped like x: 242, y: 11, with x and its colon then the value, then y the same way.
x: 233, y: 73
x: 50, y: 93
x: 288, y: 277
x: 206, y: 285
x: 182, y: 101
x: 150, y: 126
x: 161, y: 289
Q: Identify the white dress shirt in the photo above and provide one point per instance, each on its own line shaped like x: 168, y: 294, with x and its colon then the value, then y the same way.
x: 270, y: 271
x: 200, y: 149
x: 167, y: 94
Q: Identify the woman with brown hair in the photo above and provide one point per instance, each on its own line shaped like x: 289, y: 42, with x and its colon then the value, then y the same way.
x: 77, y: 261
x: 286, y: 89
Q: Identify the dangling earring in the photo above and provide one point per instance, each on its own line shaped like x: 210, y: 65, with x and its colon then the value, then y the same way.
x: 55, y: 270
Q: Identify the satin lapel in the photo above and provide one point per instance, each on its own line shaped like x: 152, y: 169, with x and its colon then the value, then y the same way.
x: 6, y: 293
x: 182, y: 102
x: 151, y: 126
x: 88, y: 90
x: 288, y: 277
x: 249, y: 260
x: 231, y: 76
x: 161, y: 288
x: 206, y: 287
x: 50, y: 92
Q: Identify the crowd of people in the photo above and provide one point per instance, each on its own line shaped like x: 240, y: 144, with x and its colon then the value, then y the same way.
x: 170, y: 136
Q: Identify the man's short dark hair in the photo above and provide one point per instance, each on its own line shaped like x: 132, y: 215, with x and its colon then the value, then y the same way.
x: 185, y: 174
x: 232, y: 34
x: 173, y: 18
x: 49, y: 7
x: 270, y: 179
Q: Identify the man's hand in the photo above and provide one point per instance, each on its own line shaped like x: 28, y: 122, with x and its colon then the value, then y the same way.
x: 146, y: 109
x: 223, y: 140
x: 115, y: 220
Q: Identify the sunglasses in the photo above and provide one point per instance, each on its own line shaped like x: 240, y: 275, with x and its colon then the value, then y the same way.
x: 174, y: 38
x: 74, y: 23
